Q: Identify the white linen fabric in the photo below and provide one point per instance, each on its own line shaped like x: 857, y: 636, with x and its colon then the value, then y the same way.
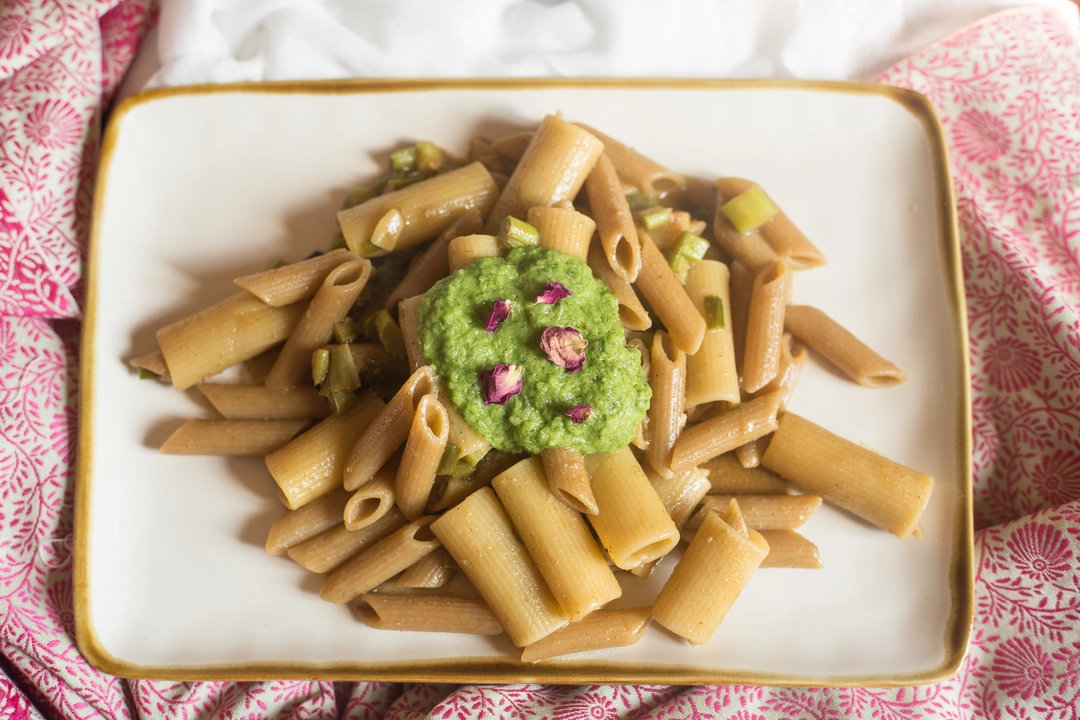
x: 212, y: 41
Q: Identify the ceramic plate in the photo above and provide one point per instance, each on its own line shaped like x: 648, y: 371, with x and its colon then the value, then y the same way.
x: 201, y: 185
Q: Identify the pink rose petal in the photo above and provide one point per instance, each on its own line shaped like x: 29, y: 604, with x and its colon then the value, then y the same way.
x: 579, y: 413
x: 499, y: 312
x: 501, y: 383
x: 564, y: 346
x: 553, y: 293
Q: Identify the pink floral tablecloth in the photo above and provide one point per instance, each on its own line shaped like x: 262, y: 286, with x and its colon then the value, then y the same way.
x: 1007, y: 90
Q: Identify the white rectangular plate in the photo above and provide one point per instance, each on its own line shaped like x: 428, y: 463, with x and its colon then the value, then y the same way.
x: 201, y: 185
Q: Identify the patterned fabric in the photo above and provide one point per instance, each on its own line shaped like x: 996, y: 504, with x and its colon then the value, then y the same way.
x: 1007, y: 90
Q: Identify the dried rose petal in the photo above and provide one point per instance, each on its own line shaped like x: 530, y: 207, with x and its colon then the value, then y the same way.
x: 501, y: 383
x: 499, y: 312
x: 564, y: 346
x: 553, y: 293
x: 579, y: 413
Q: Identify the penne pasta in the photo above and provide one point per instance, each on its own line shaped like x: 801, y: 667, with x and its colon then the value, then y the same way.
x: 563, y: 230
x: 258, y: 402
x: 409, y: 320
x: 433, y: 265
x: 727, y: 476
x: 232, y: 437
x: 841, y: 348
x: 632, y: 313
x: 762, y: 512
x: 725, y: 432
x: 598, y: 630
x: 667, y: 378
x: 568, y: 480
x: 427, y: 613
x: 329, y: 549
x: 423, y: 453
x: 373, y: 499
x: 296, y: 526
x: 668, y: 298
x: 647, y: 176
x: 463, y: 250
x: 680, y: 493
x: 433, y: 570
x: 512, y: 147
x: 786, y: 240
x: 765, y: 326
x: 298, y: 281
x: 789, y: 549
x: 381, y: 561
x: 471, y: 445
x: 741, y: 286
x: 153, y: 362
x: 793, y: 356
x: 859, y: 480
x: 614, y: 221
x: 711, y: 372
x: 451, y: 490
x: 749, y: 249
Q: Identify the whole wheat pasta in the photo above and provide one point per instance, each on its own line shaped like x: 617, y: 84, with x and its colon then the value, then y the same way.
x: 464, y: 249
x: 568, y: 480
x: 422, y: 210
x: 786, y: 240
x: 423, y: 453
x: 632, y: 523
x: 765, y: 326
x: 614, y: 221
x: 563, y: 230
x: 433, y: 570
x: 741, y: 286
x: 763, y: 512
x: 859, y: 480
x: 373, y: 499
x: 632, y: 313
x: 707, y: 581
x: 725, y: 432
x: 558, y: 540
x: 479, y: 536
x: 232, y: 437
x: 409, y: 320
x: 733, y: 516
x: 553, y: 168
x: 680, y: 493
x: 711, y: 372
x: 668, y: 298
x: 481, y: 150
x: 789, y: 549
x: 841, y: 348
x: 258, y: 402
x: 294, y: 282
x: 235, y: 329
x: 449, y: 491
x: 380, y: 562
x: 389, y: 430
x: 633, y: 168
x: 427, y: 613
x: 512, y: 147
x: 667, y: 377
x: 471, y: 445
x: 750, y: 249
x: 296, y: 526
x: 153, y: 362
x: 596, y: 631
x: 329, y: 549
x: 793, y: 356
x: 433, y: 265
x: 665, y: 236
x: 727, y: 476
x: 329, y: 306
x: 312, y: 464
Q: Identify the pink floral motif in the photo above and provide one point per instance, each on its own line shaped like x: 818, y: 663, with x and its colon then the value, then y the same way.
x: 1040, y: 551
x: 54, y: 124
x: 980, y: 136
x: 591, y: 706
x: 1010, y: 365
x: 1056, y: 477
x: 1022, y: 669
x: 15, y: 31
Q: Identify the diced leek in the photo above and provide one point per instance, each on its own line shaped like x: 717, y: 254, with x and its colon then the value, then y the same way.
x: 346, y: 331
x: 688, y: 250
x: 343, y: 374
x: 429, y: 157
x: 368, y: 248
x: 449, y: 459
x: 366, y: 322
x: 278, y: 262
x: 320, y: 365
x: 475, y: 457
x: 714, y: 312
x: 515, y: 233
x: 403, y: 160
x: 749, y: 210
x: 639, y: 201
x: 342, y: 401
x: 389, y: 334
x: 462, y: 470
x: 397, y: 182
x: 680, y: 265
x: 654, y: 217
x: 145, y: 374
x: 360, y: 195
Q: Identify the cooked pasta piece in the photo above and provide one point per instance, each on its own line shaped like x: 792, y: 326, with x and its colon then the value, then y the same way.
x: 423, y: 453
x: 558, y: 540
x: 297, y: 281
x: 554, y: 167
x: 563, y: 229
x: 433, y: 570
x: 762, y: 512
x: 665, y: 236
x: 153, y: 362
x: 232, y: 331
x: 464, y: 249
x: 789, y: 549
x: 841, y: 348
x: 258, y: 402
x: 667, y: 377
x: 786, y: 240
x: 728, y: 476
x: 725, y: 432
x: 329, y: 306
x: 471, y: 445
x: 668, y: 298
x: 449, y: 491
x: 632, y: 313
x: 614, y: 221
x: 859, y: 480
x: 512, y: 147
x: 232, y: 437
x: 680, y: 493
x: 389, y: 430
x: 296, y: 526
x: 427, y: 613
x: 711, y: 372
x: 330, y: 548
x: 732, y: 515
x: 312, y: 464
x: 433, y: 265
x: 741, y: 286
x: 632, y: 523
x: 419, y: 212
x: 633, y: 168
x: 749, y: 249
x: 568, y: 480
x: 596, y: 631
x: 765, y: 326
x: 409, y: 320
x: 793, y: 356
x: 707, y: 581
x: 479, y: 536
x: 373, y: 499
x: 381, y: 561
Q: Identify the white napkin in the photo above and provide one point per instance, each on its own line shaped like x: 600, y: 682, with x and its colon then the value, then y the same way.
x: 200, y: 41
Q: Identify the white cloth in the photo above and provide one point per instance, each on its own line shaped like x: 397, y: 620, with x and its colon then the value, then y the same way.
x: 200, y: 41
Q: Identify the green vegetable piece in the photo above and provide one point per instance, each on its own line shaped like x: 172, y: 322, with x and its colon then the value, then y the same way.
x: 514, y: 233
x: 714, y: 312
x: 429, y: 157
x: 639, y: 201
x: 145, y: 374
x: 389, y: 334
x: 343, y: 374
x: 449, y: 459
x: 654, y: 217
x: 749, y: 210
x: 346, y: 331
x: 368, y: 249
x: 320, y: 365
x: 399, y: 181
x: 687, y: 250
x: 462, y: 470
x: 360, y: 195
x: 342, y: 401
x: 403, y: 160
x: 278, y: 262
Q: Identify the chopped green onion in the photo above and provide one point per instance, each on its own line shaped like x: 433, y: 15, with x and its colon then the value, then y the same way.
x: 462, y: 470
x: 366, y: 323
x: 714, y: 312
x: 517, y: 233
x: 145, y: 374
x: 403, y: 160
x: 389, y: 334
x: 749, y: 210
x: 342, y: 401
x: 399, y: 181
x: 429, y: 157
x: 475, y: 457
x: 320, y: 365
x: 341, y: 374
x: 688, y: 250
x: 368, y: 248
x: 360, y: 195
x: 346, y: 331
x: 277, y: 263
x: 449, y: 459
x: 654, y: 217
x: 639, y: 201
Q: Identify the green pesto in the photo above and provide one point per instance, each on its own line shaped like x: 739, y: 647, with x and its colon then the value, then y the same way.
x: 453, y: 317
